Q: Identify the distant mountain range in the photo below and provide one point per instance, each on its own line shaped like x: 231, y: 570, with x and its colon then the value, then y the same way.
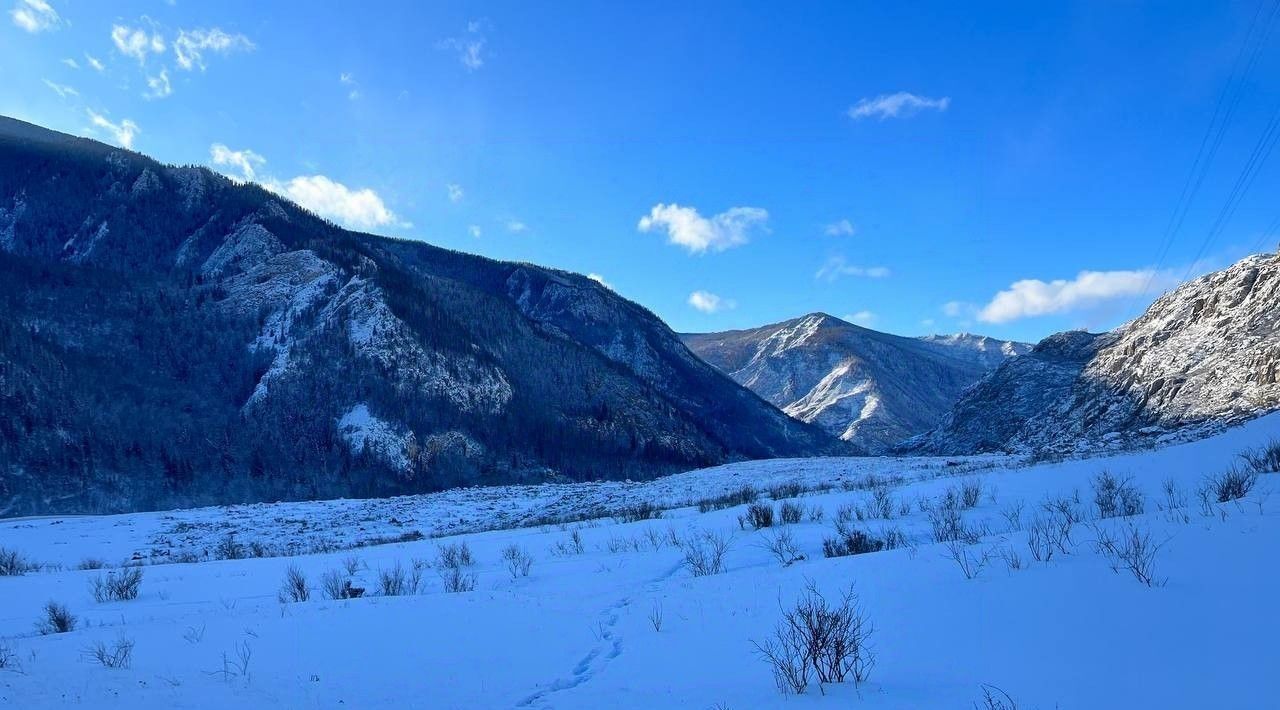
x: 1201, y: 357
x: 171, y: 338
x: 870, y: 388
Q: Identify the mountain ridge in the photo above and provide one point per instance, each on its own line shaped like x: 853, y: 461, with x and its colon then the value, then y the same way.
x: 863, y: 385
x: 259, y: 352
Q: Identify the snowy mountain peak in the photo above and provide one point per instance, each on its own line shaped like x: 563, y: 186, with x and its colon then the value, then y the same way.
x: 861, y: 385
x: 1203, y: 355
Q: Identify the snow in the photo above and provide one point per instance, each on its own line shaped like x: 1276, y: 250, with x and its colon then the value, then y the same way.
x: 576, y: 633
x: 364, y: 432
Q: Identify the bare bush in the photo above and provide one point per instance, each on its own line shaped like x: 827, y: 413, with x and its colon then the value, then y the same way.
x: 117, y: 655
x: 970, y: 493
x: 57, y: 619
x: 117, y: 587
x: 459, y: 554
x: 831, y: 640
x: 91, y: 563
x: 573, y: 546
x: 851, y: 542
x: 994, y: 698
x: 947, y: 523
x: 1042, y: 538
x: 746, y: 494
x: 334, y: 585
x: 453, y: 563
x: 1115, y: 497
x: 1133, y: 550
x: 518, y: 560
x: 816, y: 514
x: 790, y: 513
x: 894, y: 537
x: 759, y: 515
x: 970, y: 563
x: 228, y: 548
x: 1232, y: 484
x: 1264, y: 459
x: 783, y: 547
x: 790, y: 489
x: 351, y: 564
x: 1013, y: 515
x: 655, y: 616
x: 643, y: 510
x: 399, y: 581
x: 13, y: 563
x: 882, y: 503
x: 294, y: 589
x: 704, y: 552
x: 9, y: 657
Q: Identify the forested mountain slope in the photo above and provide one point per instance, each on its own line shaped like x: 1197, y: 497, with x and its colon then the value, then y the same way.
x: 168, y: 337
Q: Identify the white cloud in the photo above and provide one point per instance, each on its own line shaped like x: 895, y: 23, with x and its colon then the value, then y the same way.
x: 94, y: 62
x: 956, y: 309
x: 515, y: 226
x: 474, y: 230
x: 600, y: 280
x: 843, y: 228
x: 350, y: 80
x: 191, y: 45
x: 1032, y: 297
x: 62, y: 90
x: 136, y: 42
x: 35, y: 16
x: 837, y: 266
x: 927, y: 322
x: 455, y: 191
x: 158, y: 86
x: 71, y: 63
x: 708, y: 302
x: 686, y: 228
x: 244, y: 162
x: 899, y: 105
x: 470, y: 47
x: 863, y: 318
x: 357, y: 208
x: 122, y: 133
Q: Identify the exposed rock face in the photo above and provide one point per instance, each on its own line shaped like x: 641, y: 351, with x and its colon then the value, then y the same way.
x: 867, y: 387
x: 169, y: 338
x: 1202, y: 356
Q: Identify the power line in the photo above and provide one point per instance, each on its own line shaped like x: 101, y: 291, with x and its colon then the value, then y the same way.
x: 1224, y: 110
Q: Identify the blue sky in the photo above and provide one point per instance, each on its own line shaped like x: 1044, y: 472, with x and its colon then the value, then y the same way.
x: 1003, y: 168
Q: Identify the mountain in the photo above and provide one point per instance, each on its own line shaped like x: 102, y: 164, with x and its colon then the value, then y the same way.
x: 171, y: 338
x: 867, y: 387
x: 1202, y: 356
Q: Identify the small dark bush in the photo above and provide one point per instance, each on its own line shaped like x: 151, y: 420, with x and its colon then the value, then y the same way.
x: 117, y: 655
x: 831, y: 640
x: 852, y: 542
x: 57, y: 619
x: 117, y: 586
x: 1114, y: 497
x: 745, y: 494
x: 518, y: 561
x: 1264, y: 459
x: 12, y: 563
x: 1232, y: 484
x: 790, y: 513
x: 333, y: 585
x: 791, y: 489
x: 295, y: 587
x: 759, y: 515
x: 638, y: 512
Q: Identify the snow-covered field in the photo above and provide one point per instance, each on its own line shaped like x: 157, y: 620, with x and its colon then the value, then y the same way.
x: 580, y: 630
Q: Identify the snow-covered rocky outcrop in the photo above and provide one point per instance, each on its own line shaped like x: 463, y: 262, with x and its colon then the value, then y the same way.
x: 1202, y: 356
x: 870, y: 388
